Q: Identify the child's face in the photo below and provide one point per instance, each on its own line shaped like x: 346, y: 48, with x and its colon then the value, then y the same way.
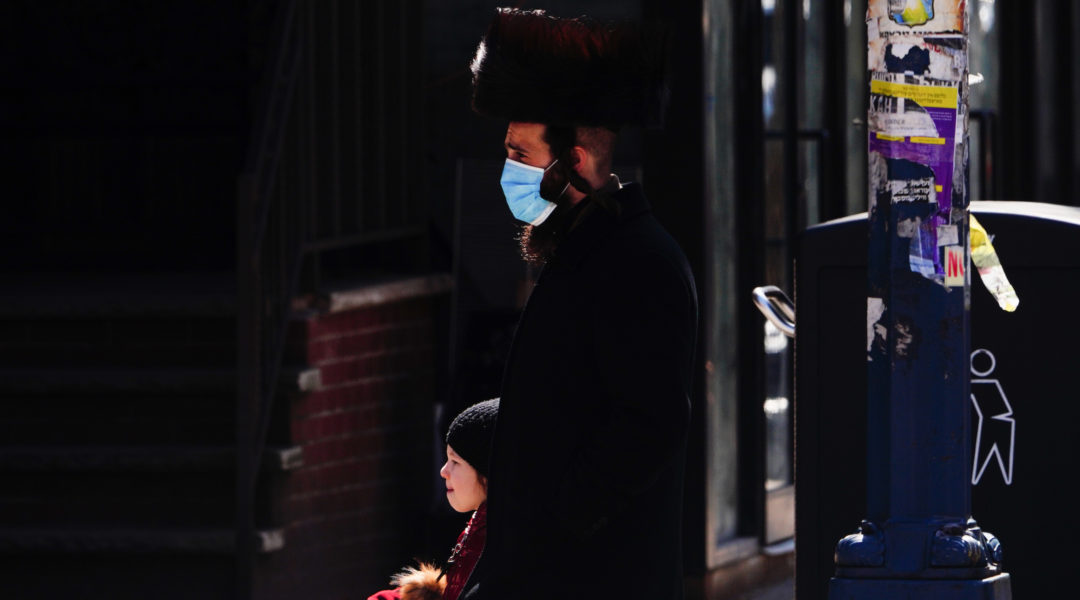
x: 465, y: 489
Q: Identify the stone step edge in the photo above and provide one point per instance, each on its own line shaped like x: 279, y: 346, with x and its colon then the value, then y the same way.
x: 173, y: 541
x: 275, y: 459
x: 192, y: 297
x: 117, y: 306
x: 39, y: 381
x: 120, y: 295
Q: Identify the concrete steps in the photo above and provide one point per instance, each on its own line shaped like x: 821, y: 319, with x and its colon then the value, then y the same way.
x: 117, y: 439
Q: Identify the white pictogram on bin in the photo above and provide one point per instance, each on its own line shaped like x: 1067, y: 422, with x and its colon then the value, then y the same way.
x: 995, y: 432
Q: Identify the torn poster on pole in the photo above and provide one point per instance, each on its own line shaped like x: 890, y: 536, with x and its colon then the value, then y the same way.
x: 913, y: 120
x: 916, y: 117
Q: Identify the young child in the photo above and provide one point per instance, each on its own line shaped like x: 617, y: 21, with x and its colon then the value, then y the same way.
x: 468, y: 450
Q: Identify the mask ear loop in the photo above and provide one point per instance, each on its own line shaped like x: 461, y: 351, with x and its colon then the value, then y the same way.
x: 565, y: 187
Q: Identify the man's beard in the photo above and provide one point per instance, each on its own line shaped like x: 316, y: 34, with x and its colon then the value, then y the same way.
x: 538, y: 242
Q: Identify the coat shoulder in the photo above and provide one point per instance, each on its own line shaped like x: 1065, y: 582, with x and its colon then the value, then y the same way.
x: 642, y: 252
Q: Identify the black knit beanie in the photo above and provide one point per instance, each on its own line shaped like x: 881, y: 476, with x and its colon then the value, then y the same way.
x: 470, y: 434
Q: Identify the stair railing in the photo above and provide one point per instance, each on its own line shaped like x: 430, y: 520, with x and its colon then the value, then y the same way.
x: 269, y: 255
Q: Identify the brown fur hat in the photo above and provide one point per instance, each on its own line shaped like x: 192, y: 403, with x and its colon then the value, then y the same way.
x: 537, y: 68
x: 420, y: 584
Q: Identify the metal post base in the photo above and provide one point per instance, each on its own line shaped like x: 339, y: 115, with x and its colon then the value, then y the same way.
x: 997, y: 587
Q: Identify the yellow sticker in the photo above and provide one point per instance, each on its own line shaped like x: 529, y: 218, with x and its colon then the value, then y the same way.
x: 890, y: 138
x: 914, y: 14
x: 938, y: 96
x: 927, y: 140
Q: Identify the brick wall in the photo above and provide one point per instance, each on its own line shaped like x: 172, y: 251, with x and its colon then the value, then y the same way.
x: 355, y: 512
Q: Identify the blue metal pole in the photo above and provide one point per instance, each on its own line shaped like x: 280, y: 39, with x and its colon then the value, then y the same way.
x: 919, y: 539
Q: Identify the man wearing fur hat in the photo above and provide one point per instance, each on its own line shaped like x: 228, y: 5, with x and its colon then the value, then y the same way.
x: 585, y: 487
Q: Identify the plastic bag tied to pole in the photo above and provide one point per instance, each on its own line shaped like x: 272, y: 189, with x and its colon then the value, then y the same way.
x: 990, y: 269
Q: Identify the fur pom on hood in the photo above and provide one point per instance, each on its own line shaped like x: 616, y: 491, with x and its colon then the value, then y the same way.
x: 420, y: 584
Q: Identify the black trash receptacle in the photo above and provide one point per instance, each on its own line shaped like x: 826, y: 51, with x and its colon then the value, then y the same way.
x: 1026, y: 366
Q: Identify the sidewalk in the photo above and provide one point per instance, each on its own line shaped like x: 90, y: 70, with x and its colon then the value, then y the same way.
x: 785, y: 590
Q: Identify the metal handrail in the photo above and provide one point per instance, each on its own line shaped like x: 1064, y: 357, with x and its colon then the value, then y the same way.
x: 777, y: 308
x: 261, y: 317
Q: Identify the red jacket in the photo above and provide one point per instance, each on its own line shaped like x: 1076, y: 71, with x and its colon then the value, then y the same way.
x: 427, y: 582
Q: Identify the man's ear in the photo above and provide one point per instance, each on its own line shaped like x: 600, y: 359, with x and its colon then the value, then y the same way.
x: 580, y: 160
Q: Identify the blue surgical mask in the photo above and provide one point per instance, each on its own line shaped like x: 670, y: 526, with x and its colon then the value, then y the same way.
x: 521, y: 185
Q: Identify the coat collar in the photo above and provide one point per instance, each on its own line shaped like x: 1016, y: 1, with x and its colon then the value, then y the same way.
x: 599, y: 224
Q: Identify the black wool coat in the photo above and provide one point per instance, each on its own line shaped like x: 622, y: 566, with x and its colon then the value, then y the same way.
x: 586, y: 479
